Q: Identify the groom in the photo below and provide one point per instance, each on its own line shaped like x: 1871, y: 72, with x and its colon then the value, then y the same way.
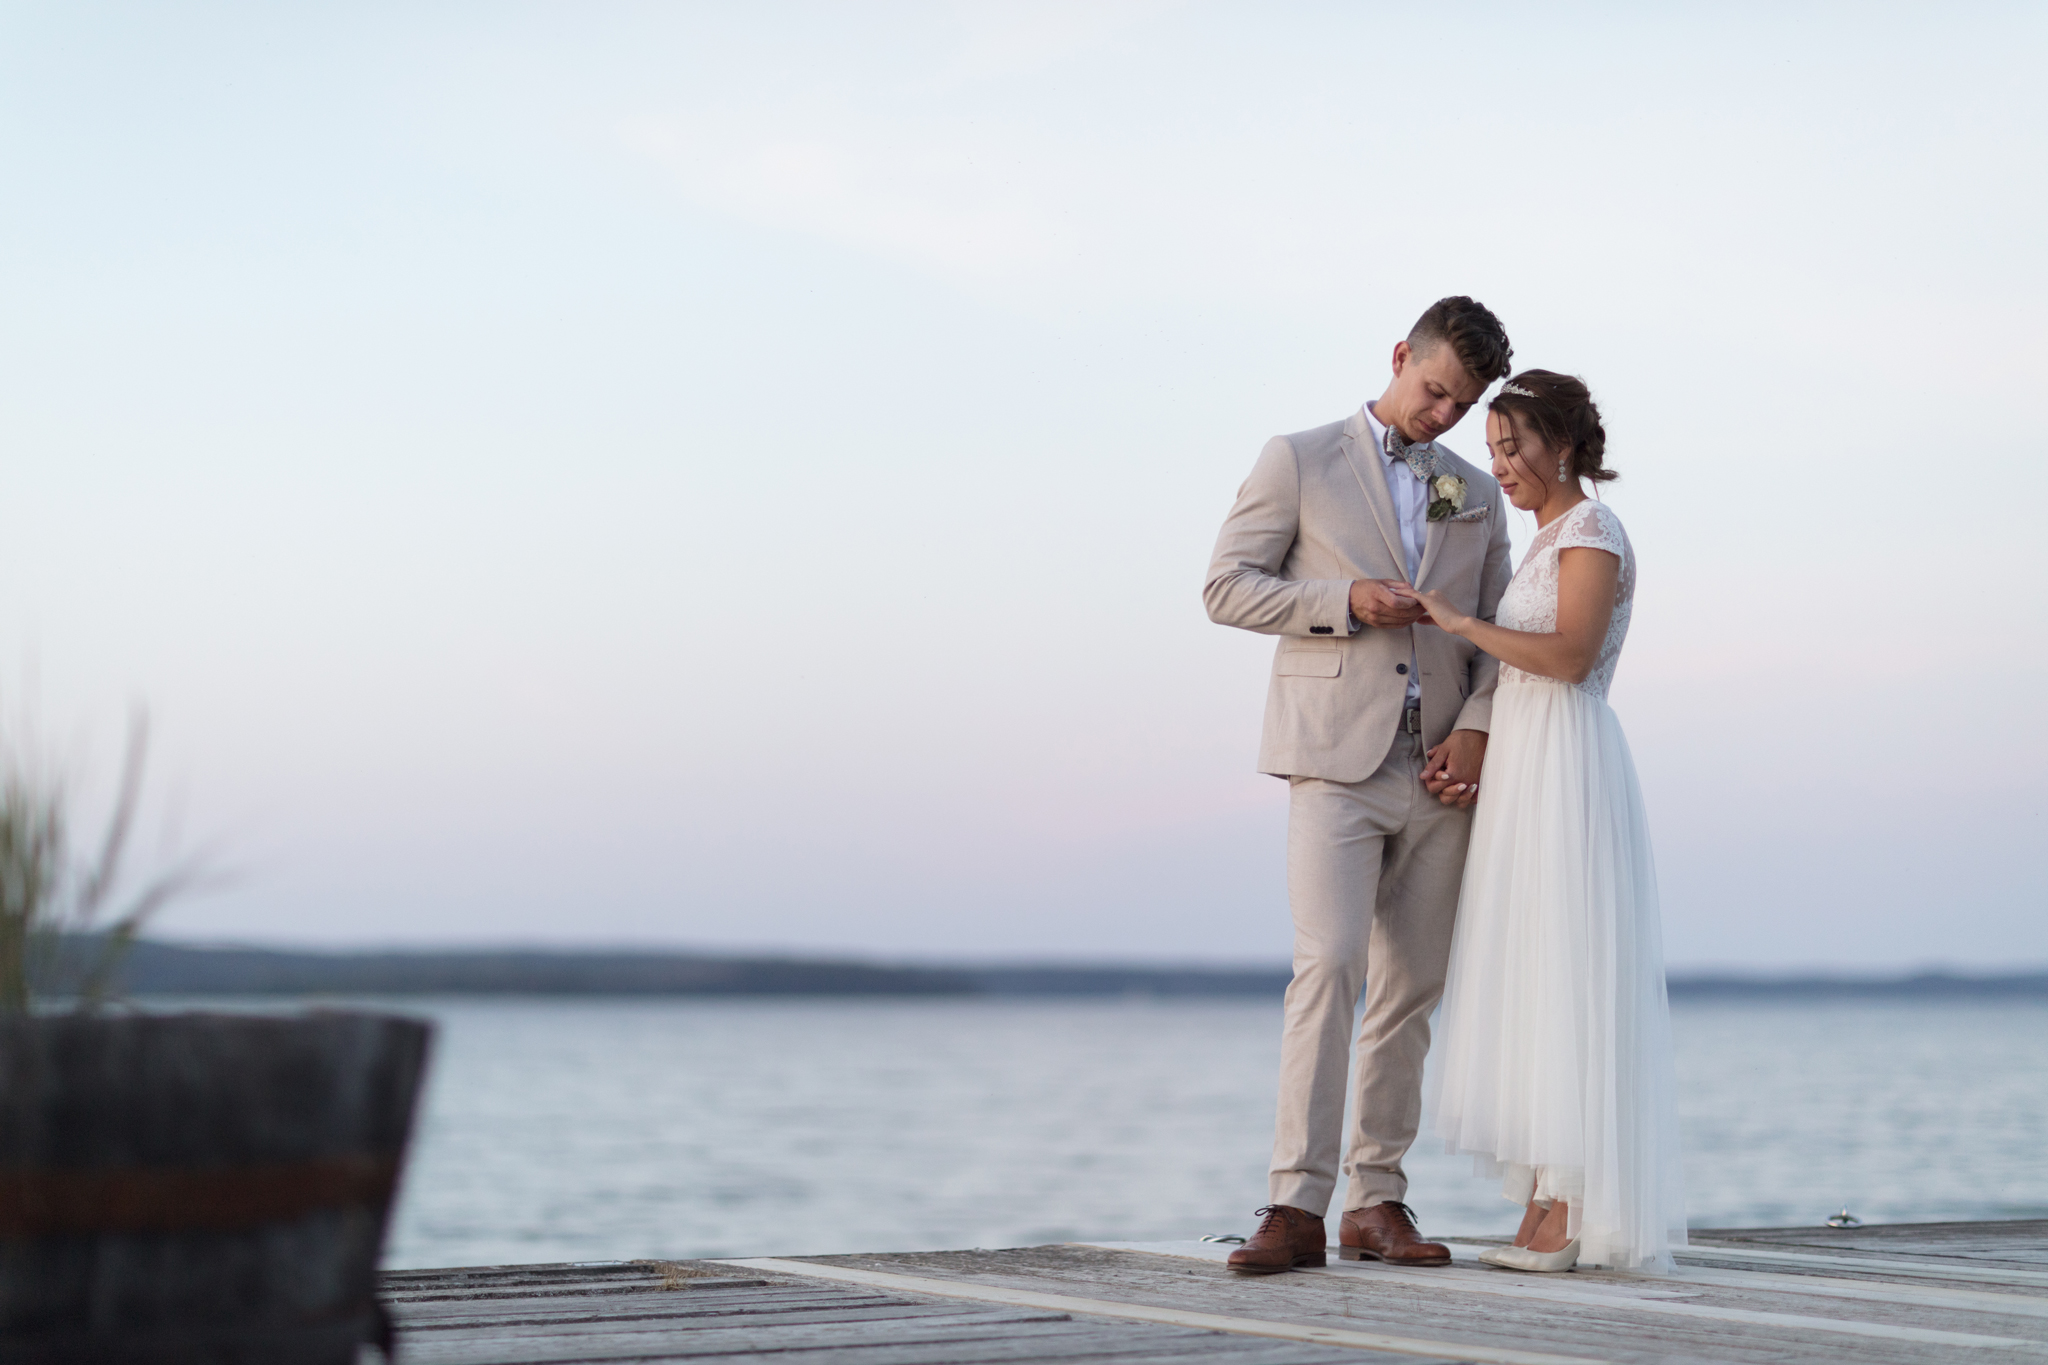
x: 1379, y: 726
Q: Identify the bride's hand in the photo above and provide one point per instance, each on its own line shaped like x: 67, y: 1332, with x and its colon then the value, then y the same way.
x: 1437, y: 608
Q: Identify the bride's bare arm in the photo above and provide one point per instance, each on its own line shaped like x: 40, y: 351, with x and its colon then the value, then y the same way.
x: 1586, y: 582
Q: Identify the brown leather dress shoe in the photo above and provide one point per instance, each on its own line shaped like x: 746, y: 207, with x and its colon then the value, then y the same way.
x: 1286, y: 1238
x: 1386, y: 1232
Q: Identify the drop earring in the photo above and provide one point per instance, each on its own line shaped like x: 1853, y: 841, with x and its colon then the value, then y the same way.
x: 1560, y: 471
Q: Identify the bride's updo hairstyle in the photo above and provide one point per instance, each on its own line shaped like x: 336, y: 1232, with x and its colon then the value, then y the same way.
x: 1559, y: 410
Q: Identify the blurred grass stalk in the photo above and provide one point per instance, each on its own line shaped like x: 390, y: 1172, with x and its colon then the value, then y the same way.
x: 50, y: 898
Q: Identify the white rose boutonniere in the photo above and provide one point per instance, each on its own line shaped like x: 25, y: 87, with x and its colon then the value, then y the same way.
x: 1446, y: 496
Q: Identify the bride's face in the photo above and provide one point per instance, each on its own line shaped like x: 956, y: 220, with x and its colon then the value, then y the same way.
x: 1519, y: 457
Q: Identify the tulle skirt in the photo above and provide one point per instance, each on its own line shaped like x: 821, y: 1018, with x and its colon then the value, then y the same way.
x: 1554, y: 1064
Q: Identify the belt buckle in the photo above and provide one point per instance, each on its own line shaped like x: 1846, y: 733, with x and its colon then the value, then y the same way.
x: 1411, y: 719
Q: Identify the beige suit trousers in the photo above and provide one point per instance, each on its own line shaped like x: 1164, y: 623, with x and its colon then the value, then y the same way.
x: 1372, y: 877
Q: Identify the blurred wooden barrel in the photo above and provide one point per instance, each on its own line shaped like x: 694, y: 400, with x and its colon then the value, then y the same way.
x: 178, y: 1189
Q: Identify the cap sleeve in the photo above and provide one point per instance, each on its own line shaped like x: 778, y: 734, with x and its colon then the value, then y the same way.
x: 1592, y: 525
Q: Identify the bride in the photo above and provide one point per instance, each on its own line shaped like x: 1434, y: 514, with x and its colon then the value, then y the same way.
x: 1555, y: 1066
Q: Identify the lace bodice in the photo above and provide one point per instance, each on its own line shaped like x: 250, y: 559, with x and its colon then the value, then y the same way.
x: 1530, y: 603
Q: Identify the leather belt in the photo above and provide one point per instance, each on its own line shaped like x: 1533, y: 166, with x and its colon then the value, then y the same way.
x: 1411, y: 718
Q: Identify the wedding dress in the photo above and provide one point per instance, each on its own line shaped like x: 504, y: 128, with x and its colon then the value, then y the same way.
x: 1554, y: 1067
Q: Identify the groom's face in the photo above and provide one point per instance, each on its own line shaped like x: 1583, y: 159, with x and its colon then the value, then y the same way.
x: 1431, y: 393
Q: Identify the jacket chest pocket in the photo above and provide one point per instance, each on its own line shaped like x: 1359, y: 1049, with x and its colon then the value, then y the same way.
x: 1309, y: 663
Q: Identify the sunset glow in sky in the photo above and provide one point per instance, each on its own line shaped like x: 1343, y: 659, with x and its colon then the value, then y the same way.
x: 742, y: 475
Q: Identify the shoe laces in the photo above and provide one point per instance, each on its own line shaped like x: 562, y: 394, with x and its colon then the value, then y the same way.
x: 1407, y: 1214
x: 1269, y: 1215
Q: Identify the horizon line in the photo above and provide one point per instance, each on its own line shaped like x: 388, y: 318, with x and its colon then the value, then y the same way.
x: 826, y: 956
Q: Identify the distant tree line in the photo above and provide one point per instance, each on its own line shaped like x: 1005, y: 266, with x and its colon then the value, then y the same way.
x: 155, y: 968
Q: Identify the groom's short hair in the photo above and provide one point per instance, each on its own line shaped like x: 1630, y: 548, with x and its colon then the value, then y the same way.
x: 1472, y: 331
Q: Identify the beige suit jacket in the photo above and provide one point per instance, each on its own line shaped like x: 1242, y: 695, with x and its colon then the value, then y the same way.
x: 1314, y: 516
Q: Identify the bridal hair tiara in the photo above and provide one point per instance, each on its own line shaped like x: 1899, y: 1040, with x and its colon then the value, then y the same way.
x: 1517, y: 390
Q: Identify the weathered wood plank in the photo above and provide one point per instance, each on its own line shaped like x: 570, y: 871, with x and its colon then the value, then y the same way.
x: 1994, y: 1303
x: 512, y: 1281
x: 849, y: 1315
x: 1118, y: 1350
x: 2028, y: 1234
x: 931, y: 1340
x: 474, y: 1295
x: 659, y: 1303
x: 1951, y: 1269
x: 1123, y: 1344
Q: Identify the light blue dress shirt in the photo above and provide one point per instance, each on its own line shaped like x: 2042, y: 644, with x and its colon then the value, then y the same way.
x: 1411, y: 510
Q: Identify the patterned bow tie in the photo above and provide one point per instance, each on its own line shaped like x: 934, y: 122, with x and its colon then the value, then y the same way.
x: 1421, y: 456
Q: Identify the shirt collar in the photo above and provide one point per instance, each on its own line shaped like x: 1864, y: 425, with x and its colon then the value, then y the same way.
x: 1379, y: 431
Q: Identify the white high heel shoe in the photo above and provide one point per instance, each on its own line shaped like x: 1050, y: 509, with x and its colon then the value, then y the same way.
x: 1521, y: 1258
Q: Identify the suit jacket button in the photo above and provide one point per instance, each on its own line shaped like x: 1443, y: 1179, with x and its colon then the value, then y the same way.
x: 1322, y: 630
x: 1400, y: 668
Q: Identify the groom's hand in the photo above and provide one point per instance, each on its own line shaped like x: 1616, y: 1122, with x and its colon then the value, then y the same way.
x: 1451, y: 770
x: 1372, y: 603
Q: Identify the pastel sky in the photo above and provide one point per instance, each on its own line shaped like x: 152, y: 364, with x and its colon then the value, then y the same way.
x: 742, y: 475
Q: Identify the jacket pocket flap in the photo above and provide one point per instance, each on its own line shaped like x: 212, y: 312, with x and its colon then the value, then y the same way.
x: 1309, y: 663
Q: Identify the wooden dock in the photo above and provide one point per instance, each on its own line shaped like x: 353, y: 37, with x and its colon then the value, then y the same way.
x: 1914, y: 1294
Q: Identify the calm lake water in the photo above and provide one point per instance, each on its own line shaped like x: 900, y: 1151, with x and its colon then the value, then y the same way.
x: 600, y: 1130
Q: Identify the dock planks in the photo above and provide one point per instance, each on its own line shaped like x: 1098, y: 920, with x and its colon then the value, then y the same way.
x: 1926, y: 1294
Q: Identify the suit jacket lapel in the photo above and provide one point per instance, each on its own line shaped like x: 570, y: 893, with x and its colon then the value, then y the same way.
x: 1430, y: 545
x: 1434, y: 540
x: 1364, y: 459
